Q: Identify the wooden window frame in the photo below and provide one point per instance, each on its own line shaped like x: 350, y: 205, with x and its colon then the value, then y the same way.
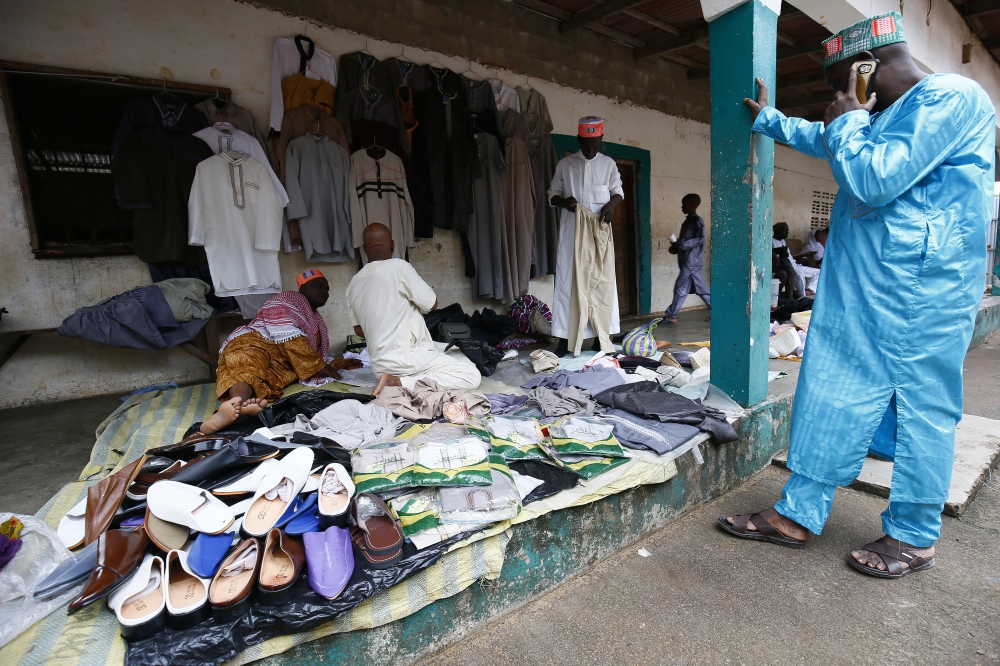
x: 20, y: 158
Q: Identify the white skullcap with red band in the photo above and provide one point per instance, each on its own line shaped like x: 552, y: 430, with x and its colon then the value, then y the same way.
x: 591, y: 126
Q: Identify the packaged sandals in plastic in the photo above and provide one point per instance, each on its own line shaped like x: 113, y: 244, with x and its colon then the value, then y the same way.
x: 577, y: 435
x: 383, y: 466
x: 488, y: 504
x: 456, y: 462
x: 515, y: 438
x: 587, y: 467
x: 417, y: 511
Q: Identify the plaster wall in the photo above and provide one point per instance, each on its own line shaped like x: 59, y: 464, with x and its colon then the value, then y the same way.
x: 227, y: 43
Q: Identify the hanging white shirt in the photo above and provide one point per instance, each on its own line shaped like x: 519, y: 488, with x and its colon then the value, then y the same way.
x: 387, y: 300
x: 285, y: 63
x: 234, y: 211
x: 592, y: 183
x: 505, y: 96
x: 223, y: 136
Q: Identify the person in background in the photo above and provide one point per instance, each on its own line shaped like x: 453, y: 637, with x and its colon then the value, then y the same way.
x: 883, y: 367
x: 286, y: 342
x: 590, y: 178
x: 782, y: 266
x: 812, y: 254
x: 690, y: 250
x: 386, y: 301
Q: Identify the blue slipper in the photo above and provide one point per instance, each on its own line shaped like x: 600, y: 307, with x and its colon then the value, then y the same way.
x: 207, y: 553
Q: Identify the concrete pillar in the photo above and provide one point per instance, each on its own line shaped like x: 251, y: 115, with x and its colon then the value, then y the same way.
x: 743, y: 38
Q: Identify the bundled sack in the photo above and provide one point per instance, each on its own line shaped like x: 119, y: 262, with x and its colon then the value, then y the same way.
x: 381, y: 467
x: 458, y: 462
x: 575, y: 435
x: 480, y: 505
x: 640, y: 341
x: 512, y: 438
x: 482, y: 354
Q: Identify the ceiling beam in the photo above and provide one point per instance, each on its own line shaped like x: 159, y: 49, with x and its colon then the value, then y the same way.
x: 596, y: 14
x: 668, y: 45
x: 803, y: 80
x: 653, y: 21
x: 784, y: 53
x: 808, y: 101
x: 977, y: 8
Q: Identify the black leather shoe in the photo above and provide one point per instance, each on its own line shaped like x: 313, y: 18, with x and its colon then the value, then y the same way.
x: 234, y: 455
x: 191, y: 447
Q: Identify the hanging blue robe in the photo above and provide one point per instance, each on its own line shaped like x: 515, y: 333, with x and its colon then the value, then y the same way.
x: 901, y: 284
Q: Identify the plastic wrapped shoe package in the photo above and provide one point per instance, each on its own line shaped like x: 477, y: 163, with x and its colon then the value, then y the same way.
x: 458, y: 462
x: 575, y: 435
x: 487, y: 504
x: 515, y: 438
x: 381, y: 467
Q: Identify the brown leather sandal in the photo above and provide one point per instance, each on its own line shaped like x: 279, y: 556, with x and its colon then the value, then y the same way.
x: 765, y: 530
x: 893, y: 554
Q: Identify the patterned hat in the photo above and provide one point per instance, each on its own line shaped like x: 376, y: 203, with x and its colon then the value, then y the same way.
x: 590, y: 126
x: 308, y: 275
x: 866, y: 35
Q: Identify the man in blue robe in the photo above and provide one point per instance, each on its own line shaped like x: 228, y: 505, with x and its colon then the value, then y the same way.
x: 897, y: 301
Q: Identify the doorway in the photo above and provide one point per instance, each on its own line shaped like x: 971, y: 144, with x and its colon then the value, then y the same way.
x: 626, y: 256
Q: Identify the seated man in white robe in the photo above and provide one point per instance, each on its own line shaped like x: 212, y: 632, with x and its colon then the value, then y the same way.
x: 386, y: 301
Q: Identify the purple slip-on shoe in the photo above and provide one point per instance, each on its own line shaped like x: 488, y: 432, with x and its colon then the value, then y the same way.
x: 329, y: 561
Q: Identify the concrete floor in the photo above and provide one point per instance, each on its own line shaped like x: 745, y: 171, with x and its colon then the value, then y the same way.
x: 44, y: 447
x: 703, y: 597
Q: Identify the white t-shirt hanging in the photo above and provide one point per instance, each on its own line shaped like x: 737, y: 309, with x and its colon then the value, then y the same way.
x: 235, y: 213
x: 223, y: 136
x: 285, y: 63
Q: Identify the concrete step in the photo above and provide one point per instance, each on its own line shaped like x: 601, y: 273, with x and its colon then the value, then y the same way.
x: 977, y: 450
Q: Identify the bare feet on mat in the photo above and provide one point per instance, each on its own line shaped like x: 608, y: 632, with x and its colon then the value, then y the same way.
x: 225, y: 416
x: 250, y: 408
x: 386, y: 380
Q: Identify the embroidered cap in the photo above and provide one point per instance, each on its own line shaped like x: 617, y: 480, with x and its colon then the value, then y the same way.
x: 308, y: 275
x: 880, y: 30
x: 591, y: 126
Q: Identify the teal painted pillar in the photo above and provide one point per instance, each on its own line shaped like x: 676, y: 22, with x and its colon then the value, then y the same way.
x: 742, y: 42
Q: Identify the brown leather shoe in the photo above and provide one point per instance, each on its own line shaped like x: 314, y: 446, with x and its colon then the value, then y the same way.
x: 230, y: 590
x: 281, y: 563
x: 104, y: 498
x: 119, y: 554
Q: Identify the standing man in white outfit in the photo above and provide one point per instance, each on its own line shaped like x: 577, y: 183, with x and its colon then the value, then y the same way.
x: 591, y: 179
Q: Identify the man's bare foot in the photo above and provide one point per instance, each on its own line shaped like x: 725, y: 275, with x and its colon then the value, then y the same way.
x: 225, y: 416
x: 786, y: 526
x: 250, y: 408
x: 875, y: 561
x: 386, y: 380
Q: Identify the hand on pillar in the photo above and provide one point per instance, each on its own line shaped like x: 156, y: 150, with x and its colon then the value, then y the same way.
x: 848, y: 101
x: 761, y: 102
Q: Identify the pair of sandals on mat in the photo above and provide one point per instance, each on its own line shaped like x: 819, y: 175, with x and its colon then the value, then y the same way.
x: 883, y: 558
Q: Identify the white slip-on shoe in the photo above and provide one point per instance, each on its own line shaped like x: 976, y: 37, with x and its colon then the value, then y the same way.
x: 140, y: 604
x: 189, y: 506
x: 312, y: 483
x: 277, y: 490
x: 247, y: 484
x: 72, y: 527
x: 186, y: 593
x: 336, y: 489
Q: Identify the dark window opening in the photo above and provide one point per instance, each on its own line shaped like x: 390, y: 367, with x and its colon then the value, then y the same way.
x: 61, y: 124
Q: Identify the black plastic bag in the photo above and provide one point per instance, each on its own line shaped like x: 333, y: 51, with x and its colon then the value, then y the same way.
x: 493, y: 328
x: 284, y: 411
x: 556, y: 479
x: 483, y: 355
x: 213, y: 642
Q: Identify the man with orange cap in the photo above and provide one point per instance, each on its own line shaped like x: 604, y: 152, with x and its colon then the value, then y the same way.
x: 287, y: 341
x: 591, y: 179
